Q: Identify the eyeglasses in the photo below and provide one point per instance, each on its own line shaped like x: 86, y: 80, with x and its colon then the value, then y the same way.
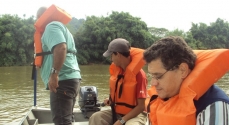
x: 160, y: 76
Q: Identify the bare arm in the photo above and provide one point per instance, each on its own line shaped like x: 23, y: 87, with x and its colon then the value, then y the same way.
x: 136, y: 111
x: 59, y: 55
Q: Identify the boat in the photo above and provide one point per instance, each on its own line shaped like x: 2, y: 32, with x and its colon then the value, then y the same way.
x: 88, y: 104
x: 42, y: 116
x: 87, y: 100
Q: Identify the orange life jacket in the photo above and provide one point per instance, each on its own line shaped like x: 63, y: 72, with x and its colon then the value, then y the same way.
x: 53, y: 13
x: 124, y: 96
x: 211, y: 65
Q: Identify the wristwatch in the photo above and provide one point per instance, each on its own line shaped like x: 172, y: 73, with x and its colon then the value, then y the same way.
x: 122, y: 121
x: 54, y: 71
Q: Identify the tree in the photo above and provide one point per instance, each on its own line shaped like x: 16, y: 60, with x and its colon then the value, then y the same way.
x: 214, y: 36
x: 94, y: 36
x: 16, y: 35
x: 75, y: 24
x: 158, y: 32
x: 176, y: 32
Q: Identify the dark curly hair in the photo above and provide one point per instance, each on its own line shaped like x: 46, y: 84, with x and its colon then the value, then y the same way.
x: 172, y: 51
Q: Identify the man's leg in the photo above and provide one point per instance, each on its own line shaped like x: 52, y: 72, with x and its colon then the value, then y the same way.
x: 101, y: 118
x: 139, y: 120
x: 77, y: 88
x: 62, y: 102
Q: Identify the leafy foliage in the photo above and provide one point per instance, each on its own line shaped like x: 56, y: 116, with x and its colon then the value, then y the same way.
x: 214, y: 36
x: 16, y: 37
x: 93, y: 38
x: 75, y: 24
x: 158, y: 32
x: 93, y: 35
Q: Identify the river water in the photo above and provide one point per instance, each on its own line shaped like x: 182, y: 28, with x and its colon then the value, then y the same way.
x: 17, y: 90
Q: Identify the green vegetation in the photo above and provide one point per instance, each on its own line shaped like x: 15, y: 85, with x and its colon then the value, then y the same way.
x: 93, y: 35
x: 16, y: 40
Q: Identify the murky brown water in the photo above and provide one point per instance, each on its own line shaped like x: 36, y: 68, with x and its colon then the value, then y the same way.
x: 16, y: 89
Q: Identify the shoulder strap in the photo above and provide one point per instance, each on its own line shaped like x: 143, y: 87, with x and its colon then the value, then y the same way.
x: 151, y: 99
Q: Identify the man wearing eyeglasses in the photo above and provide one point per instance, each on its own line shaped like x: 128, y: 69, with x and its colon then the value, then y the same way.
x: 170, y: 61
x: 127, y: 87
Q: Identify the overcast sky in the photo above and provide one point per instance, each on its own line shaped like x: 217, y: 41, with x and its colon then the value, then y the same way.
x: 169, y: 14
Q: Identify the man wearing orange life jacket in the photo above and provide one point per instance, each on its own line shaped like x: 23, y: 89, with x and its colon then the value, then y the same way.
x: 59, y: 71
x: 127, y: 87
x: 173, y: 99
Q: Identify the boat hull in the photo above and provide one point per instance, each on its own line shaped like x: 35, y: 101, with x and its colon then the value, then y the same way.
x: 42, y: 116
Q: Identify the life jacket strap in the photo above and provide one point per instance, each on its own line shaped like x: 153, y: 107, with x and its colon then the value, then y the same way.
x: 151, y: 99
x: 49, y: 52
x: 125, y: 104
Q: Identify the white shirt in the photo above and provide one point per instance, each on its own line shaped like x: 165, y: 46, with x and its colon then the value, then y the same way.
x: 215, y: 114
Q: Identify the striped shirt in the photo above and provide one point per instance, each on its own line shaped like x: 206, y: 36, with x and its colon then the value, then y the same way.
x: 215, y: 114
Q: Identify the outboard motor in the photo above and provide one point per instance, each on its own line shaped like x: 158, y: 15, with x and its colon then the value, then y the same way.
x: 88, y: 99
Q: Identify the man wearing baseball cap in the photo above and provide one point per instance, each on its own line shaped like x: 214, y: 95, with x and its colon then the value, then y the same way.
x: 128, y: 84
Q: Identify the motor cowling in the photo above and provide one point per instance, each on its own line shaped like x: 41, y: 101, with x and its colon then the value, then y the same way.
x: 88, y: 99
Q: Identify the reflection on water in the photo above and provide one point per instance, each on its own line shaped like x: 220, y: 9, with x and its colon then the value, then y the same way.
x: 223, y: 83
x: 16, y: 89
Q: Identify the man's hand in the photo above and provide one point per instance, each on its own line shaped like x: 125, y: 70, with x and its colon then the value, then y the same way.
x: 106, y: 102
x: 59, y: 55
x: 53, y: 82
x: 117, y: 123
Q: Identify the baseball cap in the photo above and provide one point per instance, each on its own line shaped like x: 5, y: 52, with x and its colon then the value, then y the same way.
x: 117, y: 45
